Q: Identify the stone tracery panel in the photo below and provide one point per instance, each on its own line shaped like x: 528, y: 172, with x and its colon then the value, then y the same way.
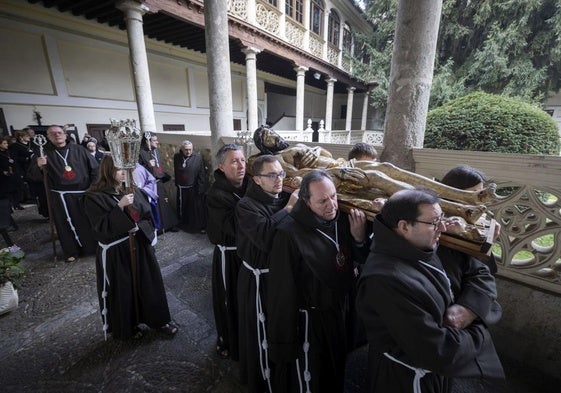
x: 294, y: 34
x: 238, y: 8
x: 527, y: 216
x: 268, y: 18
x: 316, y: 46
x: 333, y: 55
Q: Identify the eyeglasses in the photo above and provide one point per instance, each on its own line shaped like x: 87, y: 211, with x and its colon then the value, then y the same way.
x: 274, y: 176
x: 436, y: 223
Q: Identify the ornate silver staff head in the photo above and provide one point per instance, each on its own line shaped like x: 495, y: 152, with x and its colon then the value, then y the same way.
x: 148, y: 135
x: 124, y: 140
x: 40, y: 141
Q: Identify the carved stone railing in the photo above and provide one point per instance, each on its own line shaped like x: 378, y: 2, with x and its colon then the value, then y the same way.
x: 373, y: 137
x: 333, y: 54
x: 528, y: 249
x: 294, y: 33
x: 238, y: 8
x: 267, y: 17
x: 316, y: 46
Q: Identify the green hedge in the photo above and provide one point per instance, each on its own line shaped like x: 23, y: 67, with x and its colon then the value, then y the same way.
x: 487, y: 122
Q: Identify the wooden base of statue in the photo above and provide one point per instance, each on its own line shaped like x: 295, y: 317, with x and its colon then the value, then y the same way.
x: 479, y: 250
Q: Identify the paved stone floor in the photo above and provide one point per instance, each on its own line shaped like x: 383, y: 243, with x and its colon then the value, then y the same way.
x: 54, y: 343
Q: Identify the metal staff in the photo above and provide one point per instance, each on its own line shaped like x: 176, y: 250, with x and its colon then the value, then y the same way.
x: 124, y: 142
x: 148, y: 136
x: 41, y: 141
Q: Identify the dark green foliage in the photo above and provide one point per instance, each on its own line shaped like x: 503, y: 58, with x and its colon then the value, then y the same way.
x: 506, y: 47
x: 488, y: 122
x: 10, y: 265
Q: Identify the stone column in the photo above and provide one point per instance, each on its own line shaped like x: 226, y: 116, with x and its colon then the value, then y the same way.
x: 300, y: 85
x: 219, y: 76
x: 325, y: 33
x: 371, y: 86
x: 137, y: 48
x: 341, y: 34
x: 306, y: 23
x: 364, y: 111
x: 329, y: 103
x: 349, y: 119
x: 251, y: 15
x: 282, y: 25
x: 251, y: 80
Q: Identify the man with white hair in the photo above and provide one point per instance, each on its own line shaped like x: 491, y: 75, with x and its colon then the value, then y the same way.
x: 190, y: 179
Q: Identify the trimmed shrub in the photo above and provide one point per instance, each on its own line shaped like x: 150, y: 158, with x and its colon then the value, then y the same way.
x: 488, y: 122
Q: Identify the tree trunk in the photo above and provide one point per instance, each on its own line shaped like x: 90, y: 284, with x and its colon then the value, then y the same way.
x: 411, y: 72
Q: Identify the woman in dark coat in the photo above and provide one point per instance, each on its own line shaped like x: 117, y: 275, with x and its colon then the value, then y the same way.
x: 126, y: 299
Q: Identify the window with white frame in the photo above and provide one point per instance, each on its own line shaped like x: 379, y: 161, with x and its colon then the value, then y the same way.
x: 316, y: 16
x: 347, y: 38
x: 295, y: 9
x: 333, y: 28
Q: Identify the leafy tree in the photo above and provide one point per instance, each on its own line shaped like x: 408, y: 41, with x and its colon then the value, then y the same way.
x: 503, y: 47
x: 488, y: 122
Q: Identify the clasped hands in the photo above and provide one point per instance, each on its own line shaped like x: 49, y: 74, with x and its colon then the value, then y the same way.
x: 458, y: 316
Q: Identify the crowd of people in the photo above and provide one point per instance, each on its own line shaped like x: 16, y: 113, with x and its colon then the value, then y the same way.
x: 297, y: 283
x: 79, y: 189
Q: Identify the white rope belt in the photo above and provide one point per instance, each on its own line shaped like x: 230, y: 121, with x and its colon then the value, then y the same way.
x: 104, y: 248
x: 181, y: 199
x: 223, y: 250
x: 61, y: 193
x: 419, y: 372
x: 262, y: 344
x: 306, y: 348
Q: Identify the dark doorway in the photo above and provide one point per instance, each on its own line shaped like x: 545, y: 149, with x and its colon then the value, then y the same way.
x: 315, y: 134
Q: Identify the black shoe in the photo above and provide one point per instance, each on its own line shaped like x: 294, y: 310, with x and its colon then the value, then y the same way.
x: 173, y: 229
x: 169, y: 329
x: 19, y: 207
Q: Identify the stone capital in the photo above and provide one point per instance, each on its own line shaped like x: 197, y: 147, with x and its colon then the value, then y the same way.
x: 130, y: 6
x: 248, y: 50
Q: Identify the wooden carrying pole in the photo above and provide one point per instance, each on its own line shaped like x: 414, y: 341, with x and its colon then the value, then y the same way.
x: 132, y: 247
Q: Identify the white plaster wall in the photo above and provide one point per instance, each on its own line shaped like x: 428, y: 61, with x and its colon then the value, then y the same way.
x: 82, y: 74
x: 23, y: 64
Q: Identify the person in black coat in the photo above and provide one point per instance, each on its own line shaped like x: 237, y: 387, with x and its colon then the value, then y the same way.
x: 258, y: 213
x: 229, y: 187
x: 21, y: 151
x: 127, y: 296
x: 70, y: 170
x: 190, y: 179
x: 94, y: 152
x: 403, y: 296
x: 9, y: 181
x: 310, y: 279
